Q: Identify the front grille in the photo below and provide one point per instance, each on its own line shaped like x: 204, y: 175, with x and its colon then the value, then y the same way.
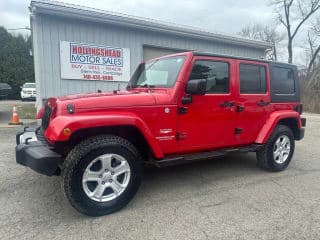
x: 46, y: 117
x: 40, y: 136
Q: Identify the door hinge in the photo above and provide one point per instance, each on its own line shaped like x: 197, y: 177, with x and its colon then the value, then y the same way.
x: 238, y: 130
x: 181, y: 135
x: 182, y: 110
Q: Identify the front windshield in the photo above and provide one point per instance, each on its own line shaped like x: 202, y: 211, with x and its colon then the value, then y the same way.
x: 29, y: 85
x: 157, y: 73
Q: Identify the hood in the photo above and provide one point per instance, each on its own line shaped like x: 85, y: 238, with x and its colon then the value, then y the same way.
x: 109, y: 99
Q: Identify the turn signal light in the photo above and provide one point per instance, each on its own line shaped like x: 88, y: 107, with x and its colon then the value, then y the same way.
x: 67, y: 131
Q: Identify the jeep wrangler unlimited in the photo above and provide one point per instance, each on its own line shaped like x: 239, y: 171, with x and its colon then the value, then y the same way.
x: 176, y: 109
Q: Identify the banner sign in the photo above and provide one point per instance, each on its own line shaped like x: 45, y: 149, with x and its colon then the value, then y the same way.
x: 92, y: 62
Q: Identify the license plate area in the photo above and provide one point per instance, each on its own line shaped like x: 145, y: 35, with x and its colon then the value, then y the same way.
x: 27, y: 137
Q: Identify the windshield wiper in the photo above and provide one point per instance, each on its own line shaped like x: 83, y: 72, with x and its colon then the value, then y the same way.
x: 145, y: 85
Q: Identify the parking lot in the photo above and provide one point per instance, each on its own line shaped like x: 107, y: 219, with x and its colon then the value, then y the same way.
x: 25, y: 110
x: 223, y: 198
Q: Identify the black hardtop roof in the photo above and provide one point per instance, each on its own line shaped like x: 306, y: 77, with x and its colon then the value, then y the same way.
x: 243, y: 58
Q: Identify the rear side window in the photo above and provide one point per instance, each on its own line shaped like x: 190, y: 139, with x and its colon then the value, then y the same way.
x: 252, y: 78
x: 284, y: 81
x: 216, y: 73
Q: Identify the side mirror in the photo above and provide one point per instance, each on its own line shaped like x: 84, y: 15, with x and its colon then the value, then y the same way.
x: 196, y: 86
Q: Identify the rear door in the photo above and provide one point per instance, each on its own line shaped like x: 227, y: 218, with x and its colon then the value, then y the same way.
x: 253, y: 102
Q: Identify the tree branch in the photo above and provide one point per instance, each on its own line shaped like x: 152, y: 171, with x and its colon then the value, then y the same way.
x: 314, y: 7
x: 314, y: 57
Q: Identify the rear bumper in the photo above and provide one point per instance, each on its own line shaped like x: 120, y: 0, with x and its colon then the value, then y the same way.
x: 301, y: 131
x: 300, y: 134
x: 35, y: 154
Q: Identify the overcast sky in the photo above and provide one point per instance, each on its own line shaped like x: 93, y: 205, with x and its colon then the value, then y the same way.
x: 226, y: 16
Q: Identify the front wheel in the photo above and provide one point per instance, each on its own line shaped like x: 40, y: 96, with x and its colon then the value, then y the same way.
x: 101, y: 175
x: 278, y: 151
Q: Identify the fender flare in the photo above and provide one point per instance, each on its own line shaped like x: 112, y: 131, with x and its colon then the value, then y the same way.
x: 54, y: 132
x: 272, y: 122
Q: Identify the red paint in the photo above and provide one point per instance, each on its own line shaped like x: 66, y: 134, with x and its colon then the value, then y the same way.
x: 272, y: 120
x: 40, y: 113
x: 154, y: 113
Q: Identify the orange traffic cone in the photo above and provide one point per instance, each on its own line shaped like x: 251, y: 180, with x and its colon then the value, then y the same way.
x: 15, y: 117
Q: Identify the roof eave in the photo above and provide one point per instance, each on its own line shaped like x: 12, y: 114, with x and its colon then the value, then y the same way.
x: 70, y: 11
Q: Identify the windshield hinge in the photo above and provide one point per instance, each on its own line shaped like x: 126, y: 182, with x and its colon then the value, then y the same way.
x: 182, y: 110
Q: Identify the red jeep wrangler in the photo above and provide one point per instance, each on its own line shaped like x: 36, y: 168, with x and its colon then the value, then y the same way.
x: 176, y: 109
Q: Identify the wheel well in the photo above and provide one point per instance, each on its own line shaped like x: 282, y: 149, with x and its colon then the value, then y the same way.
x: 291, y: 123
x: 131, y: 133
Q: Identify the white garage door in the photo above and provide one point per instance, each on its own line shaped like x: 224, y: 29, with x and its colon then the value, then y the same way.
x: 154, y: 52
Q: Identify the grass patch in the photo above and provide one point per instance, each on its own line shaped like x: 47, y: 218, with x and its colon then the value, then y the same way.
x: 27, y: 111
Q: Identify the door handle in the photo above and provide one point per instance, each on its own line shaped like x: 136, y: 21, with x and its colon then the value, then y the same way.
x: 262, y: 103
x: 226, y: 104
x: 240, y: 108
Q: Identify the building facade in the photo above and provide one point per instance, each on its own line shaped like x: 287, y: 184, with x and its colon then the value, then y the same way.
x: 79, y: 49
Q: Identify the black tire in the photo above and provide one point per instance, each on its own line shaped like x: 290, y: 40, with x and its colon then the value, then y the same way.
x: 265, y: 156
x: 81, y: 156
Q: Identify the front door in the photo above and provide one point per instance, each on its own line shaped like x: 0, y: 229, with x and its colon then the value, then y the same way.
x: 208, y: 122
x: 253, y: 101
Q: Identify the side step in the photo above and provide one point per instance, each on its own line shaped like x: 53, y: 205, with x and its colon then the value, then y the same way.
x: 192, y: 157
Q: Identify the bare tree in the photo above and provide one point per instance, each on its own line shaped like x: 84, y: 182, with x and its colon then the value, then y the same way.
x: 264, y: 33
x: 313, y: 36
x: 313, y: 71
x: 292, y: 14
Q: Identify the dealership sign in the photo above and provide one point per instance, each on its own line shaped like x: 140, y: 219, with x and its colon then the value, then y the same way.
x: 92, y: 62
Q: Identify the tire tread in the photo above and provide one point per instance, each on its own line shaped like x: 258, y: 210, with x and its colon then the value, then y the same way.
x: 262, y: 154
x: 76, y: 155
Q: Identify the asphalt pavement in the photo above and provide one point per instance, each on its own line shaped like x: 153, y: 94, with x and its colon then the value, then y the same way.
x: 223, y: 198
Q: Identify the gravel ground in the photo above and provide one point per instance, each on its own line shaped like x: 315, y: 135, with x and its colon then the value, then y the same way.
x: 224, y: 198
x: 24, y: 110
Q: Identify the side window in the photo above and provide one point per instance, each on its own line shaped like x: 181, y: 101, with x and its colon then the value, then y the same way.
x: 284, y: 80
x: 216, y: 73
x: 252, y: 78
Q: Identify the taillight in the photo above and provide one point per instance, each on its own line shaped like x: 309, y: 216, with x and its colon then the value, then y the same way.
x: 298, y: 108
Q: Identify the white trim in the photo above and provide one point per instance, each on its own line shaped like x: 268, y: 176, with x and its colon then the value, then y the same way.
x: 96, y: 15
x: 37, y: 75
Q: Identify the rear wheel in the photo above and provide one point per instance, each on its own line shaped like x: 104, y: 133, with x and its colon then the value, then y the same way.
x: 278, y: 151
x: 101, y: 175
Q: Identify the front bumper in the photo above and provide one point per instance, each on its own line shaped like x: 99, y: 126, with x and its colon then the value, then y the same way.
x: 27, y: 97
x: 35, y: 154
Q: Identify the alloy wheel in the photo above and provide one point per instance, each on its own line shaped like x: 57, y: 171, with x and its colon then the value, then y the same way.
x: 281, y: 149
x: 106, y: 177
